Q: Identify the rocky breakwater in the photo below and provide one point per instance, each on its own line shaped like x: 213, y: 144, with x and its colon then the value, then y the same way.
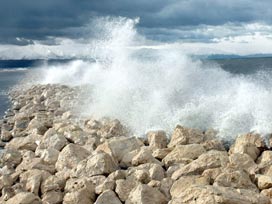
x: 51, y: 157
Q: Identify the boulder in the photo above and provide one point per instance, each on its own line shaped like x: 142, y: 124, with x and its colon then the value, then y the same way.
x: 144, y: 194
x: 53, y: 197
x: 70, y: 156
x: 208, y: 160
x: 144, y: 156
x: 157, y: 139
x: 106, y: 197
x: 183, y: 136
x: 10, y: 157
x: 264, y: 181
x: 186, y: 182
x: 24, y: 198
x: 181, y: 153
x: 243, y: 161
x: 218, y: 194
x: 124, y: 187
x: 119, y: 146
x: 98, y: 163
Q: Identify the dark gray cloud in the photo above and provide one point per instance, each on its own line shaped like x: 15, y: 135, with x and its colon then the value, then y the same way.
x: 33, y: 19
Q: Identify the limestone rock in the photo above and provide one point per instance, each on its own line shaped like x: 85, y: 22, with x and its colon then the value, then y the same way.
x: 108, y: 197
x: 53, y: 197
x: 96, y: 164
x: 144, y: 194
x: 144, y: 156
x: 10, y: 157
x: 264, y: 181
x: 243, y: 161
x: 183, y: 152
x: 183, y: 136
x: 217, y: 194
x: 120, y: 146
x: 124, y: 187
x: 185, y: 182
x: 24, y: 198
x: 157, y: 139
x: 211, y: 159
x: 52, y: 183
x: 70, y: 156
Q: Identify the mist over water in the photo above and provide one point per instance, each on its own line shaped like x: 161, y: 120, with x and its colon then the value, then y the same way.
x: 160, y: 87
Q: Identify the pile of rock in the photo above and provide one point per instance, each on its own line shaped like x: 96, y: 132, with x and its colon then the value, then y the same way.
x: 52, y: 158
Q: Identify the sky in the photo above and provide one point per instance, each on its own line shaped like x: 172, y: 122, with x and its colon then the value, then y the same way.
x: 202, y: 26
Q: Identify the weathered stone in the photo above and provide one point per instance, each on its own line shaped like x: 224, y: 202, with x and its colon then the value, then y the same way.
x: 5, y: 180
x: 264, y: 181
x: 108, y: 197
x: 212, y: 174
x: 218, y: 194
x: 185, y: 182
x: 243, y: 161
x: 144, y: 156
x: 183, y: 152
x: 124, y: 187
x: 70, y: 156
x: 52, y: 183
x: 10, y: 157
x: 161, y: 153
x: 165, y: 187
x: 53, y: 197
x: 209, y: 160
x: 213, y: 145
x: 24, y: 198
x: 157, y: 139
x: 144, y: 194
x: 183, y: 136
x: 96, y: 164
x: 79, y: 191
x: 24, y: 143
x: 120, y: 146
x: 235, y: 179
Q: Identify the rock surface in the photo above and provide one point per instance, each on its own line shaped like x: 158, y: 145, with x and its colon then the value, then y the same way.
x: 53, y: 156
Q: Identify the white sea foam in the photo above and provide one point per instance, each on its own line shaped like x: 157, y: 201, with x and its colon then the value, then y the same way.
x: 158, y: 88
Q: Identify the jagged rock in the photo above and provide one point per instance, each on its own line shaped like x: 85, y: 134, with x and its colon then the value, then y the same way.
x: 49, y: 156
x: 32, y: 180
x: 161, y: 153
x: 144, y: 194
x: 185, y: 182
x: 157, y: 139
x: 144, y: 156
x: 5, y: 180
x: 181, y: 153
x: 212, y: 174
x: 96, y: 164
x: 24, y: 198
x: 29, y: 142
x: 235, y: 179
x: 248, y: 144
x: 52, y: 183
x: 213, y: 145
x: 106, y: 197
x: 165, y: 187
x: 124, y: 187
x: 6, y: 136
x: 217, y: 194
x: 120, y: 146
x: 264, y: 181
x: 183, y: 136
x: 79, y: 191
x: 208, y: 160
x: 70, y: 156
x: 52, y: 197
x: 243, y: 161
x: 10, y: 157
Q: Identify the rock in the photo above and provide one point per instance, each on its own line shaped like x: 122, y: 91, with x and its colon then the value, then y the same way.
x: 21, y: 123
x: 39, y: 127
x: 267, y: 192
x: 144, y: 156
x: 217, y: 194
x: 120, y: 146
x: 250, y: 144
x: 24, y: 198
x: 5, y: 180
x: 213, y: 145
x: 6, y: 136
x: 24, y: 143
x: 124, y: 187
x: 264, y: 182
x: 208, y: 160
x: 33, y: 179
x: 106, y: 197
x: 183, y: 136
x: 52, y: 197
x: 165, y: 187
x: 212, y: 174
x: 53, y: 140
x: 96, y: 164
x: 235, y: 179
x: 7, y: 193
x: 243, y: 161
x: 161, y: 153
x: 185, y: 182
x: 98, y: 182
x: 52, y: 183
x: 49, y: 156
x: 140, y: 175
x: 182, y: 153
x: 79, y: 191
x: 157, y: 139
x: 144, y: 194
x: 70, y: 156
x: 10, y: 157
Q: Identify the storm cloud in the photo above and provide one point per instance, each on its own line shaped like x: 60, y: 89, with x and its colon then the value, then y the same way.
x: 160, y: 20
